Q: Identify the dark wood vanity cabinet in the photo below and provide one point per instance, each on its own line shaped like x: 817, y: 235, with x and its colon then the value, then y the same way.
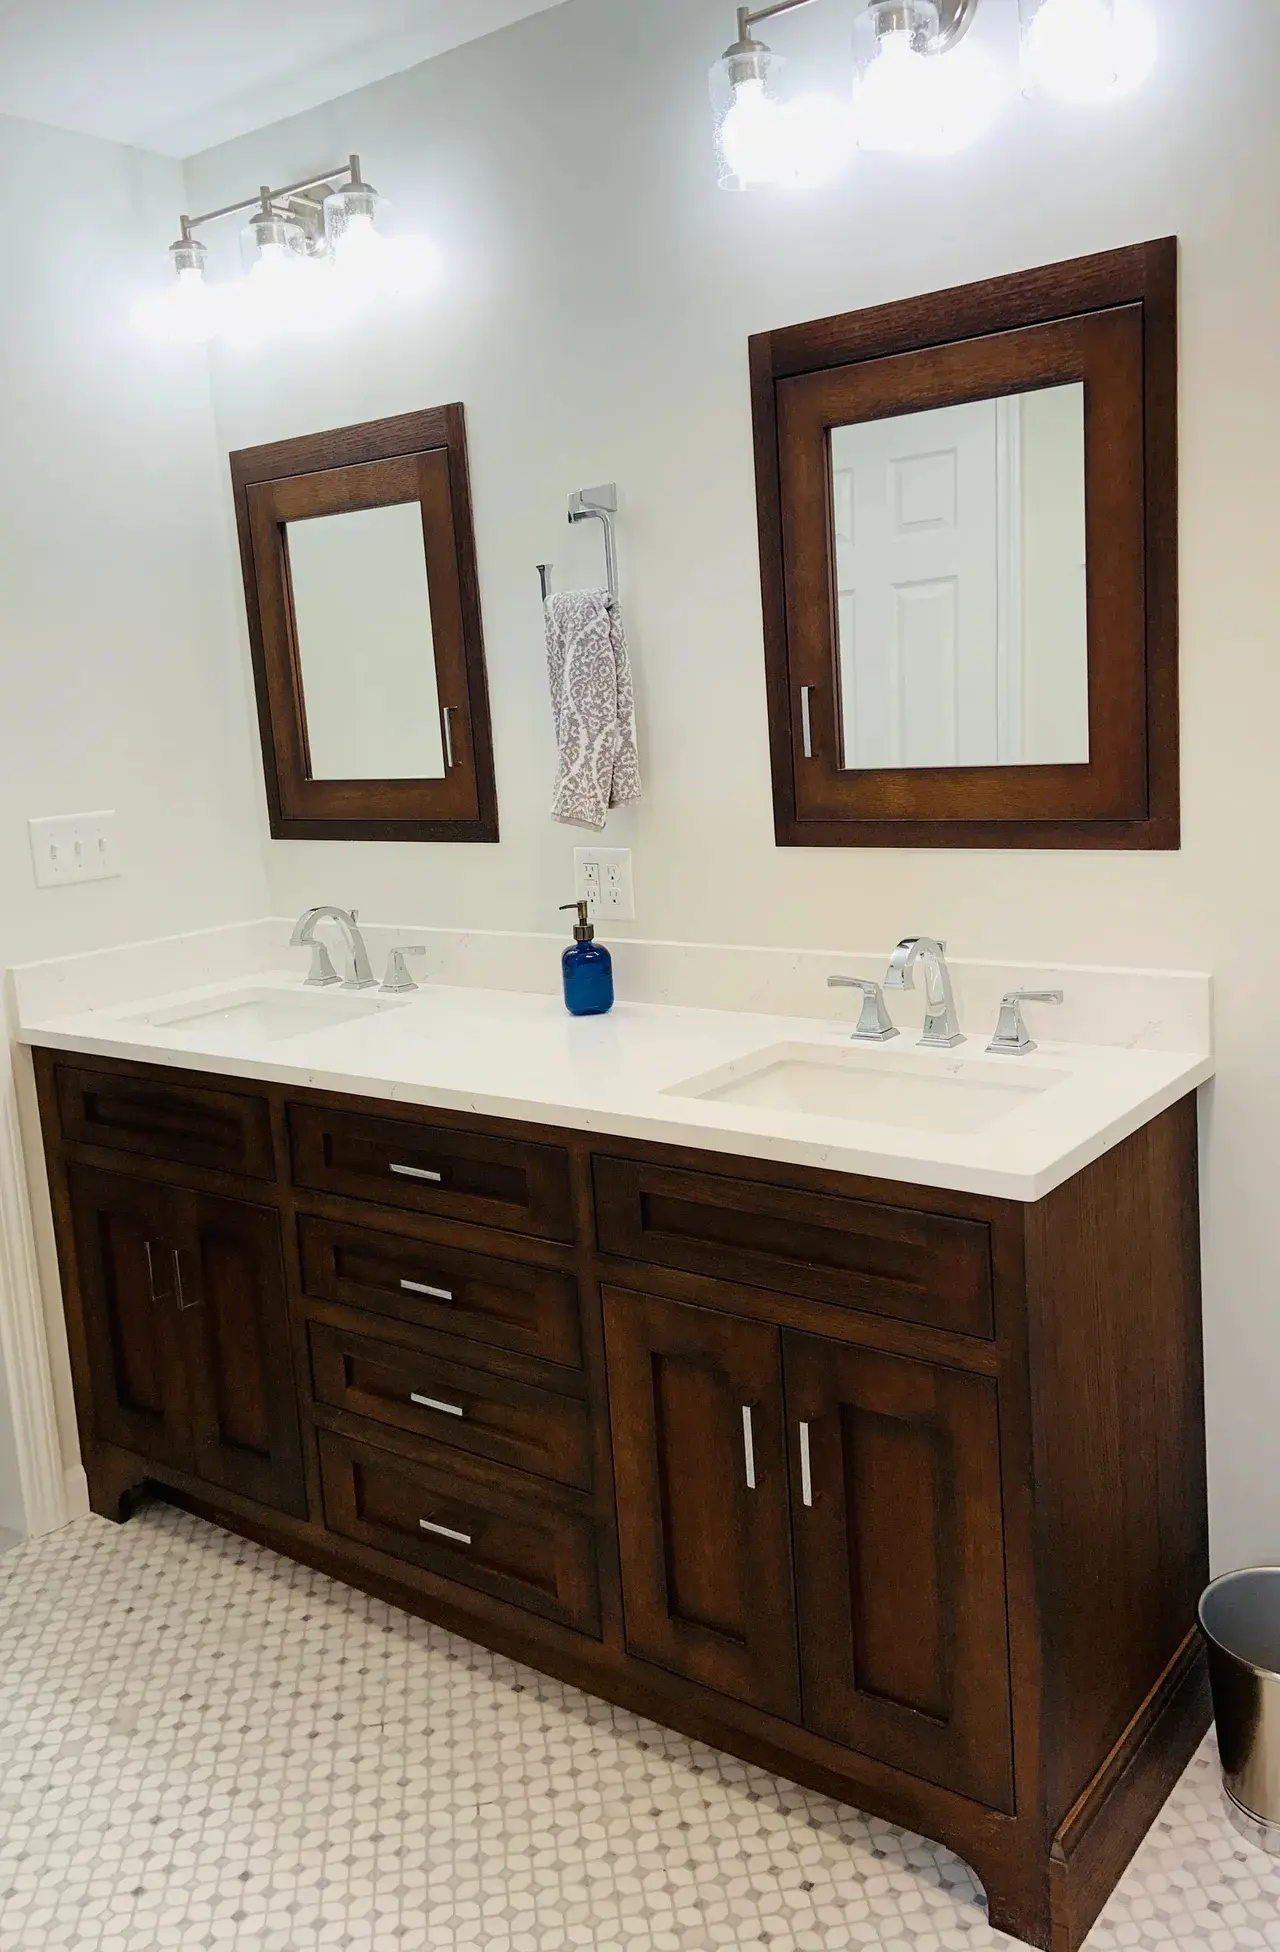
x: 896, y: 1491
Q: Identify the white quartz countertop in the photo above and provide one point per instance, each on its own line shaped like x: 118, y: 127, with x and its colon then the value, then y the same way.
x: 516, y: 1055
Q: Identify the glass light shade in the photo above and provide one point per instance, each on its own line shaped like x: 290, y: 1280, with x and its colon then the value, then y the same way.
x: 762, y: 140
x: 368, y: 263
x: 746, y: 110
x: 908, y: 97
x: 1086, y: 50
x: 186, y: 311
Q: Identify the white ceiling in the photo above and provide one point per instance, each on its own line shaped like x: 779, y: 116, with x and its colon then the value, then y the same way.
x: 182, y: 75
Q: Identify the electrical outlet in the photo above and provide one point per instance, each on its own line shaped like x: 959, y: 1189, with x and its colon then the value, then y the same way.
x: 602, y: 876
x: 73, y: 847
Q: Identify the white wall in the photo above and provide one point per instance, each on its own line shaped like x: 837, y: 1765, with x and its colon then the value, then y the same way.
x: 116, y: 687
x: 597, y: 296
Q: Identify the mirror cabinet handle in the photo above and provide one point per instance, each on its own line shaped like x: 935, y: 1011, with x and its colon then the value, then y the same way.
x: 748, y: 1447
x: 806, y: 1467
x: 806, y: 720
x: 446, y: 719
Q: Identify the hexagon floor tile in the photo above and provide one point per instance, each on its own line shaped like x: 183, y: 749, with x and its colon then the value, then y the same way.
x: 205, y: 1745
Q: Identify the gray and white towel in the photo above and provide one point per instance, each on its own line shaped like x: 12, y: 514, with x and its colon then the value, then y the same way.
x: 594, y: 708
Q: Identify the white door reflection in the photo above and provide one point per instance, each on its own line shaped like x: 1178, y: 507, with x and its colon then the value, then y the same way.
x: 961, y: 584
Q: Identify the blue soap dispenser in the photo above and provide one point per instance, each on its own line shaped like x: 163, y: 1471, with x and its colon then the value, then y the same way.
x: 587, y: 968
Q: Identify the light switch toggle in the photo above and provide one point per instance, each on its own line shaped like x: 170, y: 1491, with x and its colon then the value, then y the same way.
x: 71, y: 847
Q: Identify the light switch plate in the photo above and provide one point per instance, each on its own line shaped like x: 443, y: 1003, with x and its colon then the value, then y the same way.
x: 72, y: 847
x: 602, y: 876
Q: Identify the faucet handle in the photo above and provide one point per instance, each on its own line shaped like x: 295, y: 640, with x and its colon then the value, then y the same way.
x: 1012, y: 1039
x: 875, y: 1025
x: 397, y: 978
x: 322, y: 975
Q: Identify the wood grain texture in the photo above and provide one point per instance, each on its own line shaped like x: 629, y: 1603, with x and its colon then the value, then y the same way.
x: 1089, y: 1344
x: 418, y: 457
x: 1109, y: 321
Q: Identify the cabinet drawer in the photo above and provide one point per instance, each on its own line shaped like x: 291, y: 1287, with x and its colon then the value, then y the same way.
x: 919, y: 1267
x: 491, y: 1182
x: 515, y: 1547
x: 192, y: 1125
x: 533, y: 1310
x: 533, y: 1429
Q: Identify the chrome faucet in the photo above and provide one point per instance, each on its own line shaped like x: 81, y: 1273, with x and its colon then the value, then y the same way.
x: 941, y: 1025
x: 359, y: 975
x: 875, y: 1025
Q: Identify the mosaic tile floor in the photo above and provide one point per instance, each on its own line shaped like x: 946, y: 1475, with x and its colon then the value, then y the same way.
x: 202, y: 1744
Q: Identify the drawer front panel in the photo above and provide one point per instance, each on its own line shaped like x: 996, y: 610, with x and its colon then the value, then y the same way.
x: 190, y: 1125
x: 522, y: 1188
x: 918, y: 1267
x: 533, y: 1429
x: 515, y: 1547
x: 533, y: 1310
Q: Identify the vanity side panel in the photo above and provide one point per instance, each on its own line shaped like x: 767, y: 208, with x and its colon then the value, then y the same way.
x: 1117, y: 1400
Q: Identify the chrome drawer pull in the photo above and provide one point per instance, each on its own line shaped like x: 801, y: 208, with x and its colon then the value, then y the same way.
x: 445, y: 1532
x: 434, y: 1403
x: 417, y: 1172
x: 806, y: 1469
x: 424, y: 1288
x: 748, y: 1447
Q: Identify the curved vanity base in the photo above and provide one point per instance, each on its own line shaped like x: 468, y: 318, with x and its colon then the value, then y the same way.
x: 894, y: 1491
x: 1094, y: 1843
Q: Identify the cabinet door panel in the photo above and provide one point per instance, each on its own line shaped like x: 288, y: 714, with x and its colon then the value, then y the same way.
x: 900, y: 1564
x: 232, y: 1305
x: 126, y: 1239
x: 706, y: 1560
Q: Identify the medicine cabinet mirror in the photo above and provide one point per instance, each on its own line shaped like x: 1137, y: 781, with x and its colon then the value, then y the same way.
x: 364, y: 622
x: 967, y: 509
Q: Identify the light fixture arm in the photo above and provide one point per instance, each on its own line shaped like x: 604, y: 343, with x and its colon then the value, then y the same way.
x: 954, y: 17
x: 267, y: 197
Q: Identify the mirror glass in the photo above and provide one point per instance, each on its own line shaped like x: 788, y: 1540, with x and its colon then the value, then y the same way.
x: 961, y: 584
x: 362, y: 614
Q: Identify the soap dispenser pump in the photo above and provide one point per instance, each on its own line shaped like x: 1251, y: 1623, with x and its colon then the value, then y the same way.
x: 587, y: 968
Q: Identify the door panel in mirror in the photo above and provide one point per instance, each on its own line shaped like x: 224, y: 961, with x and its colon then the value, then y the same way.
x: 960, y: 559
x: 364, y: 616
x: 968, y: 524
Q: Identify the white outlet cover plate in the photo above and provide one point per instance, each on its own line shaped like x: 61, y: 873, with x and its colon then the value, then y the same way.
x: 609, y: 869
x: 71, y: 847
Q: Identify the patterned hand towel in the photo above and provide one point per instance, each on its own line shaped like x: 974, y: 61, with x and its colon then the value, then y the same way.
x: 594, y: 708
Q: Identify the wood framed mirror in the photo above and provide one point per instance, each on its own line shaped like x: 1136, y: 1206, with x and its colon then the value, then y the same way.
x: 364, y: 623
x: 967, y: 508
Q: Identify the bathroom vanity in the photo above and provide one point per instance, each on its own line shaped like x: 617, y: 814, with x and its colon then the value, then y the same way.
x: 895, y: 1489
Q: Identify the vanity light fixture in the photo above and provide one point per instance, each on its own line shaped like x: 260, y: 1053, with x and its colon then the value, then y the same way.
x: 921, y: 84
x: 313, y: 253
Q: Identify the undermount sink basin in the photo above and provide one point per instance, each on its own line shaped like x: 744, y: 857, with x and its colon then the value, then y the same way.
x: 932, y: 1091
x: 269, y: 1016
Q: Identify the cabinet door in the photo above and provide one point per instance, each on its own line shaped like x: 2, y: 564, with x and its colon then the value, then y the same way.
x: 231, y: 1301
x: 695, y: 1404
x: 899, y: 1547
x: 126, y: 1234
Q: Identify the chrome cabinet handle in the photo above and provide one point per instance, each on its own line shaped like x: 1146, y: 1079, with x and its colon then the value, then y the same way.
x: 748, y: 1447
x: 425, y: 1288
x: 806, y: 1467
x: 151, y: 1272
x: 183, y: 1303
x: 446, y: 719
x: 445, y: 1532
x: 806, y: 720
x: 417, y: 1172
x: 435, y: 1403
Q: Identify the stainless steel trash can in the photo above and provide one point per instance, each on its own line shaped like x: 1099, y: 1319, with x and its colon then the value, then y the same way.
x: 1240, y: 1616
